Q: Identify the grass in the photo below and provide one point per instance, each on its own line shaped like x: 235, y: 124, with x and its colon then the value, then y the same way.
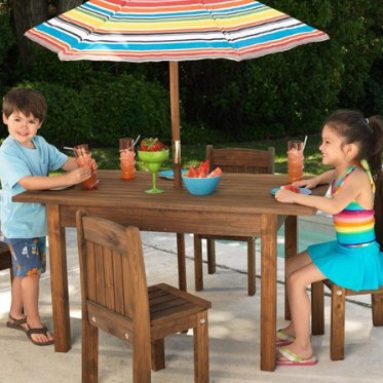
x: 107, y: 158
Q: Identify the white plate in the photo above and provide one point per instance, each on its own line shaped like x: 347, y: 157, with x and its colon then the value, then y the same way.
x: 61, y: 187
x: 301, y: 191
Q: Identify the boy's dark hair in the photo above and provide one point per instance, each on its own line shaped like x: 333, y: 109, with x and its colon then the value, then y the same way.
x: 367, y: 133
x: 27, y: 101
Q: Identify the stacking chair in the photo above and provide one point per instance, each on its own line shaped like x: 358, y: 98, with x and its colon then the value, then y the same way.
x: 116, y: 299
x: 232, y: 160
x: 5, y: 258
x: 339, y: 294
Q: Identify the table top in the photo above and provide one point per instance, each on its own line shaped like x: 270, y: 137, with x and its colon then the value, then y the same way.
x: 236, y: 193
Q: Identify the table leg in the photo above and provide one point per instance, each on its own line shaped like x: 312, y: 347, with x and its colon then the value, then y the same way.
x: 291, y: 249
x: 181, y: 261
x: 59, y: 280
x: 268, y: 290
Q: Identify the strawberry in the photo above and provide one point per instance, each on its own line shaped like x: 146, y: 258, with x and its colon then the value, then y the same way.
x: 151, y: 145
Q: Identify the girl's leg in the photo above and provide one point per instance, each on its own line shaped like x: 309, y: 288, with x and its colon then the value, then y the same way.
x: 30, y: 293
x: 296, y: 262
x: 292, y: 265
x: 300, y: 308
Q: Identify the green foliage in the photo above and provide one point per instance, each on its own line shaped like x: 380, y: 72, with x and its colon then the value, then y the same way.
x: 7, y: 43
x: 104, y: 110
x: 288, y: 93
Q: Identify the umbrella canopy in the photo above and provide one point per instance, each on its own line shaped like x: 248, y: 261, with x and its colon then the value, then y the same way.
x: 172, y: 30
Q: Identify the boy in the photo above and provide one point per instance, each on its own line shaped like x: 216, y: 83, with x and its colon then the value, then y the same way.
x: 25, y: 162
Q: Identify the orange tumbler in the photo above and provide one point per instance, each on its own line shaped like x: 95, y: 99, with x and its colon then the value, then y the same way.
x: 294, y: 161
x: 84, y: 158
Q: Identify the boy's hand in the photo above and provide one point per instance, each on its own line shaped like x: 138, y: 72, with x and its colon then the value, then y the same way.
x: 79, y: 175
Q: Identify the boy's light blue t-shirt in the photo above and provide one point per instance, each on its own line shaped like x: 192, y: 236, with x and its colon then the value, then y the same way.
x: 25, y: 220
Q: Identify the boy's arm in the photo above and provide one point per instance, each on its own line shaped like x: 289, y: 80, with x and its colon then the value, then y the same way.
x: 70, y: 164
x: 73, y: 177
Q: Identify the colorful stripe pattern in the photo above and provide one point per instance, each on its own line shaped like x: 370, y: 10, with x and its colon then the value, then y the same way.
x: 354, y: 225
x: 172, y: 30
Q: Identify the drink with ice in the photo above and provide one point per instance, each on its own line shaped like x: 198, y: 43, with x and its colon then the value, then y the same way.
x: 127, y: 162
x: 294, y: 161
x: 84, y: 158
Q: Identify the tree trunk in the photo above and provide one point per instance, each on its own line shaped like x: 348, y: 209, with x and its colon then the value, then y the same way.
x: 27, y: 14
x: 66, y: 5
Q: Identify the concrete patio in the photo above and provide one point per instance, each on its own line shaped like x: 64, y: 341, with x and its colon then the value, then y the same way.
x: 233, y: 329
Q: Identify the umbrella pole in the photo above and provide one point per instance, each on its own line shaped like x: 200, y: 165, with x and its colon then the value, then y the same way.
x: 175, y: 120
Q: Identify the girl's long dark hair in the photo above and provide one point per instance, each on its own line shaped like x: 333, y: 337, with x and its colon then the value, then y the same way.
x: 367, y: 133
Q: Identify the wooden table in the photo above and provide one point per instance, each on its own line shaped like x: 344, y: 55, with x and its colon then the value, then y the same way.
x: 242, y: 205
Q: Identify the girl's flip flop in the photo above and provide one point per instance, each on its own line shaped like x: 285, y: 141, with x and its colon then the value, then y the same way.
x: 287, y: 357
x: 283, y: 339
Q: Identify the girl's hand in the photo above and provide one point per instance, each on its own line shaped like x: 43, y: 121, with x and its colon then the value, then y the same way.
x: 93, y: 165
x: 285, y: 196
x: 311, y: 183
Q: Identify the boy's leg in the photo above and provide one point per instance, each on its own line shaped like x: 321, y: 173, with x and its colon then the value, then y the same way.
x: 28, y: 262
x: 30, y: 292
x: 17, y: 306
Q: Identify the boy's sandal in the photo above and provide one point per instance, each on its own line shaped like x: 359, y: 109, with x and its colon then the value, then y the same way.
x: 17, y: 324
x: 283, y: 339
x: 42, y: 330
x: 287, y: 357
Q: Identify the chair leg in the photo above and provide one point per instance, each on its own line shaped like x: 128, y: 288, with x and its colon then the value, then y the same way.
x: 181, y: 262
x: 198, y: 272
x: 158, y: 355
x: 337, y: 323
x: 377, y: 309
x: 317, y: 308
x: 251, y: 266
x: 89, y: 352
x: 211, y: 256
x: 141, y: 359
x: 201, y: 349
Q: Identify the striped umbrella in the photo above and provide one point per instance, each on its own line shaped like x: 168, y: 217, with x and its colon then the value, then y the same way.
x: 172, y: 30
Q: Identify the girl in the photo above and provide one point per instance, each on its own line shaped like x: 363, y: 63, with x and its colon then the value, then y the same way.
x: 352, y: 145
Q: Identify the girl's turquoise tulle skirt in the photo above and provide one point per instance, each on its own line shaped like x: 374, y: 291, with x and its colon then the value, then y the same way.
x: 355, y: 268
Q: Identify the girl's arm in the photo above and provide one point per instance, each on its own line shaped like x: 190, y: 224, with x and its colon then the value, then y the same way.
x: 73, y: 177
x: 353, y: 186
x: 324, y: 178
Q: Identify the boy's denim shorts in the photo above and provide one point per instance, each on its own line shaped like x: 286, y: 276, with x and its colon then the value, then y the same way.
x: 28, y: 255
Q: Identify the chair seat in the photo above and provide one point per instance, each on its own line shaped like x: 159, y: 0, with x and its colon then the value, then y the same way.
x: 171, y: 309
x: 227, y: 237
x: 347, y: 292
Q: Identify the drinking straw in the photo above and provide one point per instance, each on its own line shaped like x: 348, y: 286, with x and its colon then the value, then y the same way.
x: 304, y: 143
x: 68, y: 148
x: 135, y: 141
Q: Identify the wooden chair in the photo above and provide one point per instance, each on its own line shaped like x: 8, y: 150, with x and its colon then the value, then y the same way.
x: 232, y: 160
x: 339, y: 294
x: 116, y: 299
x: 5, y: 258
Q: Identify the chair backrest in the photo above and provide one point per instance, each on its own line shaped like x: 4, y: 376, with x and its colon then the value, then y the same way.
x: 112, y: 270
x: 239, y: 160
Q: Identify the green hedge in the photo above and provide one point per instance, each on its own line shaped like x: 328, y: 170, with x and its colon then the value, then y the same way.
x: 104, y: 110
